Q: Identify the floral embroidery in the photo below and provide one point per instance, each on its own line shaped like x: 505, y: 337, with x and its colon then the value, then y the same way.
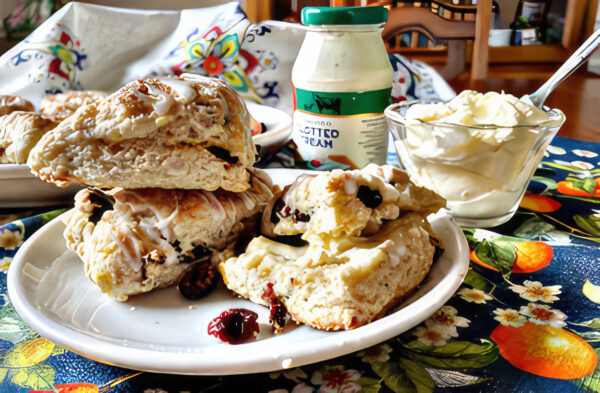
x: 534, y: 291
x: 542, y: 314
x: 336, y: 380
x: 509, y: 317
x: 65, y: 58
x: 216, y: 53
x: 474, y: 295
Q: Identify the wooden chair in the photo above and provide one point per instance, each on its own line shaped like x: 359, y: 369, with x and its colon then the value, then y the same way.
x: 437, y: 29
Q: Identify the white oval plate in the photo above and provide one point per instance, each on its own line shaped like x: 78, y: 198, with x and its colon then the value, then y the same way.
x: 163, y: 332
x: 277, y: 122
x: 20, y: 188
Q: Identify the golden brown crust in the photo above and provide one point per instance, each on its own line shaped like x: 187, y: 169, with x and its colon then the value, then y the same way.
x: 19, y: 132
x: 9, y: 104
x: 189, y: 132
x: 62, y: 105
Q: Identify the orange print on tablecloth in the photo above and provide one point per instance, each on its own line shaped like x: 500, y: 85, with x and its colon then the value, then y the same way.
x: 545, y: 350
x: 531, y: 257
x: 567, y: 187
x: 539, y: 203
x: 71, y: 388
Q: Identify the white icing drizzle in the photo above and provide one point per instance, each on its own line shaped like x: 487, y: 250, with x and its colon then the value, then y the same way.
x: 161, y: 101
x: 182, y: 88
x: 350, y: 186
x: 302, y: 180
x: 133, y: 260
x: 158, y: 229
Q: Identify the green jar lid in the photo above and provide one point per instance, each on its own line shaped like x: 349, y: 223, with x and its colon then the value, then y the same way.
x: 344, y: 15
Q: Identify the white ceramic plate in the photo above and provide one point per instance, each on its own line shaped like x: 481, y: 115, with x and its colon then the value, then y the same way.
x: 277, y: 122
x: 163, y: 332
x: 19, y: 188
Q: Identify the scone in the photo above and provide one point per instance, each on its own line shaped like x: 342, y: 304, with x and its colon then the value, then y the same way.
x: 62, y: 105
x: 10, y: 104
x: 340, y: 248
x: 334, y: 291
x: 19, y: 132
x: 187, y: 132
x: 346, y: 202
x: 132, y: 241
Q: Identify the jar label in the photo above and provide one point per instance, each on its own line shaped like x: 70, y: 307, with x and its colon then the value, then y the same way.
x: 341, y: 129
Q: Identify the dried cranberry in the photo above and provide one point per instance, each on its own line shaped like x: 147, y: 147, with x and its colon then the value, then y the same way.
x: 268, y: 294
x: 285, y: 211
x: 198, y: 280
x: 370, y: 198
x: 279, y: 204
x: 302, y: 217
x: 198, y: 252
x: 277, y: 310
x: 277, y: 315
x: 223, y: 154
x: 234, y: 326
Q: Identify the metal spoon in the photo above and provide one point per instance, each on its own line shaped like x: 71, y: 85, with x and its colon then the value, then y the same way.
x: 578, y: 58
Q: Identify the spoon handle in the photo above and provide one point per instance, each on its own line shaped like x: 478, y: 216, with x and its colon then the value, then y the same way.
x: 569, y: 66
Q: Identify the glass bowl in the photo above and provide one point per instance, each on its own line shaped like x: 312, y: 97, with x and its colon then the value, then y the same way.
x: 482, y: 171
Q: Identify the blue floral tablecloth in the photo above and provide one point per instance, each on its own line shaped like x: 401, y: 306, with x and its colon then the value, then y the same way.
x: 526, y: 318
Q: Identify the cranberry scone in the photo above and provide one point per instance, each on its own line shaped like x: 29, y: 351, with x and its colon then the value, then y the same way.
x: 132, y: 241
x: 343, y: 247
x: 188, y: 132
x: 59, y: 106
x: 19, y: 132
x: 341, y: 202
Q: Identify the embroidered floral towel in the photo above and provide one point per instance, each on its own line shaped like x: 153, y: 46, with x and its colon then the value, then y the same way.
x: 85, y: 46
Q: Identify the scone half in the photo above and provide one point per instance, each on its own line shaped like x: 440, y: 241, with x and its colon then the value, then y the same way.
x: 186, y: 132
x: 345, y: 290
x: 346, y: 203
x: 132, y: 241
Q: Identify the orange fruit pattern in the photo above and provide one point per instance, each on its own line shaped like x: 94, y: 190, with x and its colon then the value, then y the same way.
x: 545, y: 350
x: 566, y: 187
x: 539, y: 203
x: 531, y: 256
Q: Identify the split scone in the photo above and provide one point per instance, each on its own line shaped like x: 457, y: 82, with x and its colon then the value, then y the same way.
x: 361, y: 249
x: 346, y: 202
x: 62, y: 105
x: 19, y: 132
x: 10, y: 104
x: 187, y: 132
x: 132, y: 241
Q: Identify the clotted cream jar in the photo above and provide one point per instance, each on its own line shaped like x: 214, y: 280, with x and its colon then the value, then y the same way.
x: 342, y: 83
